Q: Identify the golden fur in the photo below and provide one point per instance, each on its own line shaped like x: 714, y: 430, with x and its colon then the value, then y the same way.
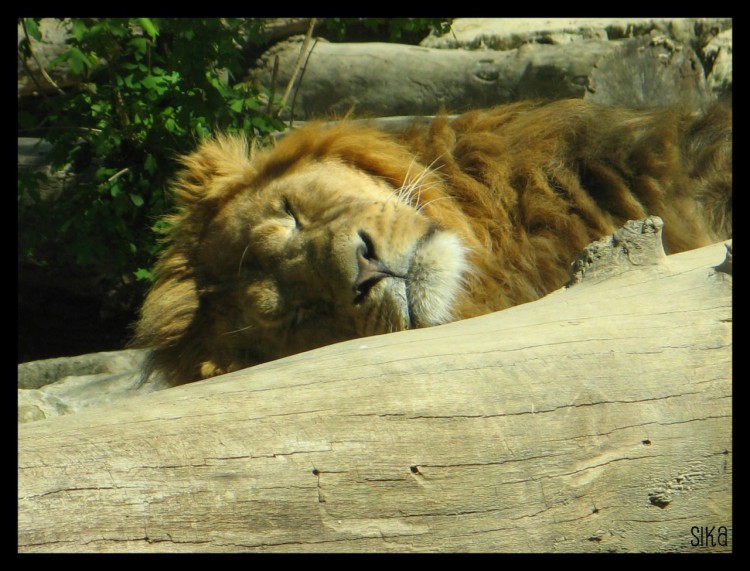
x: 344, y: 231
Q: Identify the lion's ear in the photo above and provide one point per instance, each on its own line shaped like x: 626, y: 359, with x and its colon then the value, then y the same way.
x: 217, y: 169
x: 168, y: 312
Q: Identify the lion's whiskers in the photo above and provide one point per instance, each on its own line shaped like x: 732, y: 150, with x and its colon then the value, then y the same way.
x: 421, y: 206
x: 242, y: 258
x: 416, y: 185
x: 404, y: 192
x: 240, y: 330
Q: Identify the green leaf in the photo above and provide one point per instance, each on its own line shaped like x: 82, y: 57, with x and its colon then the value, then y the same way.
x: 78, y: 30
x: 78, y: 61
x: 136, y: 199
x: 32, y: 28
x: 152, y: 82
x: 140, y: 46
x: 149, y: 27
x: 116, y: 27
x: 103, y: 173
x: 62, y: 58
x: 173, y: 77
x: 143, y: 274
x: 236, y: 105
x: 128, y: 81
x: 149, y: 165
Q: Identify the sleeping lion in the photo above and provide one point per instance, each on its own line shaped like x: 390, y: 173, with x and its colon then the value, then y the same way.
x: 345, y: 231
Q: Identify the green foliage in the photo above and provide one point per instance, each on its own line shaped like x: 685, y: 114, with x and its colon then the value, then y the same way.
x: 395, y: 28
x: 149, y: 88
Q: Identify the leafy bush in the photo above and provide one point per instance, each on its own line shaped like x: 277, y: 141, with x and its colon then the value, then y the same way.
x: 149, y: 88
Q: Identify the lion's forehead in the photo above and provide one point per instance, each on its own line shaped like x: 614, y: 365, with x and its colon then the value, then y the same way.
x: 331, y: 179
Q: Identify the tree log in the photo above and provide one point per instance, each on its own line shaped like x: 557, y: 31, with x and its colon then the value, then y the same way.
x: 379, y: 79
x: 595, y: 419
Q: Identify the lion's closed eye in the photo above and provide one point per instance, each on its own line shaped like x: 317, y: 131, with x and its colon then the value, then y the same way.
x: 290, y: 211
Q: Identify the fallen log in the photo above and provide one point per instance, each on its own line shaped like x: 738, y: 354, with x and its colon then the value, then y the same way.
x: 380, y: 79
x: 595, y: 419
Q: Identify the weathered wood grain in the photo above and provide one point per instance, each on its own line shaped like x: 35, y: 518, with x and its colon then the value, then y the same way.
x: 595, y: 419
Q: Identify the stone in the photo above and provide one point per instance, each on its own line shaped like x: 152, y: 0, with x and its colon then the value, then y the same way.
x: 37, y: 374
x: 719, y: 52
x: 54, y: 387
x: 510, y: 33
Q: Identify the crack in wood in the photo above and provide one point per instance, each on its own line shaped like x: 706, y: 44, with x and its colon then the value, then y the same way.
x: 81, y: 489
x: 498, y: 463
x: 521, y: 413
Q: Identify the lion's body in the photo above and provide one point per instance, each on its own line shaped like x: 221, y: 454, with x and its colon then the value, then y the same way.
x: 342, y: 231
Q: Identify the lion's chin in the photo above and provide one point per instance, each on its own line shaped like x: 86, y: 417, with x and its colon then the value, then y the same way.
x: 435, y: 279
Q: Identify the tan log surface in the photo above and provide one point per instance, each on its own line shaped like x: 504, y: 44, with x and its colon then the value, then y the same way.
x: 596, y: 419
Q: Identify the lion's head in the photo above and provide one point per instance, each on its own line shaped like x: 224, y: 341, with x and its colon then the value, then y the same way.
x: 343, y: 231
x: 333, y: 235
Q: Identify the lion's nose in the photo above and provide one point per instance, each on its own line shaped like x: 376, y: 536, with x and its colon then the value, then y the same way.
x: 371, y: 269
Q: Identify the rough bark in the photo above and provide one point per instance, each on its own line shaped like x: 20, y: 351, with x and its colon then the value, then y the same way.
x: 595, y: 419
x: 378, y: 79
x: 390, y: 79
